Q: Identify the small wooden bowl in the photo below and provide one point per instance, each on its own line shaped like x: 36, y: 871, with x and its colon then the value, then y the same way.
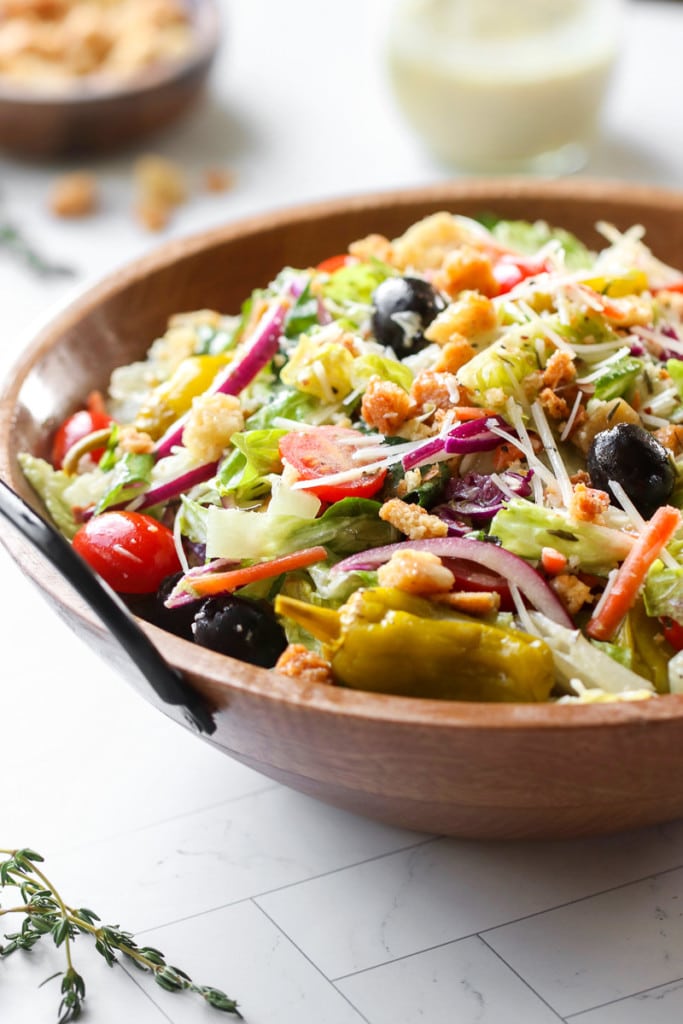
x: 477, y: 770
x: 90, y: 119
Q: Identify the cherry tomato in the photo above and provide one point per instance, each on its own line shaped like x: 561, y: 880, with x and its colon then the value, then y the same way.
x: 325, y: 450
x: 510, y: 270
x: 673, y: 631
x: 469, y: 576
x: 79, y: 425
x: 132, y: 552
x: 332, y: 263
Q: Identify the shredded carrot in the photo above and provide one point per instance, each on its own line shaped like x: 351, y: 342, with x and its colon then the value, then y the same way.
x: 504, y: 455
x: 553, y: 561
x: 225, y: 582
x: 656, y: 534
x: 471, y: 412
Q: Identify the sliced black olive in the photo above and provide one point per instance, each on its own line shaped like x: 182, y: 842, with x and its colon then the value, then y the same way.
x: 240, y: 628
x: 174, y: 620
x: 402, y: 309
x: 630, y: 455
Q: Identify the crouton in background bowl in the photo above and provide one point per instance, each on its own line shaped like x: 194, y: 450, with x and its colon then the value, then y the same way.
x: 79, y: 78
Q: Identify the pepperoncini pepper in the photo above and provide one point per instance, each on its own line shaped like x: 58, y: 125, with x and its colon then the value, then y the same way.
x: 387, y: 641
x: 171, y: 399
x: 643, y: 636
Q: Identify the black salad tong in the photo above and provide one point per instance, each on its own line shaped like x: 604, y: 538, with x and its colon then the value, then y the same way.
x: 168, y: 684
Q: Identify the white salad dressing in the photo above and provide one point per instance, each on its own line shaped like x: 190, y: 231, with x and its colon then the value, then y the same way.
x: 504, y: 84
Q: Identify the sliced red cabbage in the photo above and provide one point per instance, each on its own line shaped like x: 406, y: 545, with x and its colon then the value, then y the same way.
x: 479, y: 496
x: 473, y: 436
x: 515, y: 570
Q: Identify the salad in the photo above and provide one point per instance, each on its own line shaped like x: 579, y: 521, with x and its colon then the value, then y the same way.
x: 444, y: 465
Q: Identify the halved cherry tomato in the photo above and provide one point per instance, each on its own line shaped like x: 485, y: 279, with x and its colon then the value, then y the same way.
x: 510, y: 270
x: 132, y: 552
x: 332, y: 263
x: 469, y: 576
x: 79, y: 425
x: 325, y: 450
x: 673, y: 631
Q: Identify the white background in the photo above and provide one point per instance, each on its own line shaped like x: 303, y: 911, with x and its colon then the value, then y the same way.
x: 305, y: 914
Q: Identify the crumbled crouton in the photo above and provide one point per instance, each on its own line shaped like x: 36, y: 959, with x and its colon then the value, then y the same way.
x: 572, y: 592
x: 425, y: 245
x: 416, y: 572
x: 454, y: 354
x: 432, y: 390
x: 386, y: 406
x: 74, y: 195
x: 671, y: 437
x: 298, y: 662
x: 161, y: 187
x: 217, y: 179
x: 412, y: 520
x: 138, y: 442
x: 466, y: 269
x: 373, y: 247
x: 469, y: 316
x: 555, y: 405
x: 588, y: 504
x: 560, y: 370
x: 212, y: 421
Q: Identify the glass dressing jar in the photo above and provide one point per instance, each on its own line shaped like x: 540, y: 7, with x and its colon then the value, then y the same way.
x: 504, y: 85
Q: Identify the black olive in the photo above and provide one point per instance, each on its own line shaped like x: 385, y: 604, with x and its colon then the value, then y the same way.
x: 402, y: 309
x: 632, y: 457
x: 174, y: 620
x: 241, y: 628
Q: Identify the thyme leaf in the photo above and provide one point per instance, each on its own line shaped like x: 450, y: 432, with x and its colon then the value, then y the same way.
x: 46, y: 914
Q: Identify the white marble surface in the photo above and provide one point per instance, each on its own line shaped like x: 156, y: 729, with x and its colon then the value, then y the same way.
x: 305, y: 914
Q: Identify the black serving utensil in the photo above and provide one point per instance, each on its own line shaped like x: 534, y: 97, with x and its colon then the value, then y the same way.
x: 168, y: 685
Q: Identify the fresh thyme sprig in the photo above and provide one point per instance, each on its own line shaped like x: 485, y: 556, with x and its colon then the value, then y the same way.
x: 46, y: 913
x: 14, y: 243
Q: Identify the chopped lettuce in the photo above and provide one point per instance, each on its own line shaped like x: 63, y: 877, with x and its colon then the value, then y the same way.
x: 576, y: 658
x: 617, y: 378
x: 303, y: 315
x: 285, y: 403
x: 528, y: 237
x: 663, y: 592
x: 496, y: 373
x: 130, y: 475
x: 373, y: 365
x: 350, y: 525
x: 245, y: 473
x: 63, y: 493
x: 525, y: 529
x: 354, y: 284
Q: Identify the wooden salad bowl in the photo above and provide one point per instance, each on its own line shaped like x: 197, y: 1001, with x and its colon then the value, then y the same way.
x: 99, y: 119
x: 462, y: 769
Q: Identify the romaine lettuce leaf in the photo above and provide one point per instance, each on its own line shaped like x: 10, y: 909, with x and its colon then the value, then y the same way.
x: 525, y: 529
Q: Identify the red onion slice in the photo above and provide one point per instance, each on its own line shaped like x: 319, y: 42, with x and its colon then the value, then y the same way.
x: 261, y: 349
x: 512, y: 568
x: 172, y: 488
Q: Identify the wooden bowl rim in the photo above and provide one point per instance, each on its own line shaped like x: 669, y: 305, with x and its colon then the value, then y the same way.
x: 206, y: 22
x: 208, y: 671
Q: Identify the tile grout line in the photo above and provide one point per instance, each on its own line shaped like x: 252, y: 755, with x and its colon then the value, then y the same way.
x: 136, y: 982
x: 287, y: 885
x: 582, y: 899
x: 622, y: 999
x: 526, y: 917
x: 315, y: 966
x: 523, y: 980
